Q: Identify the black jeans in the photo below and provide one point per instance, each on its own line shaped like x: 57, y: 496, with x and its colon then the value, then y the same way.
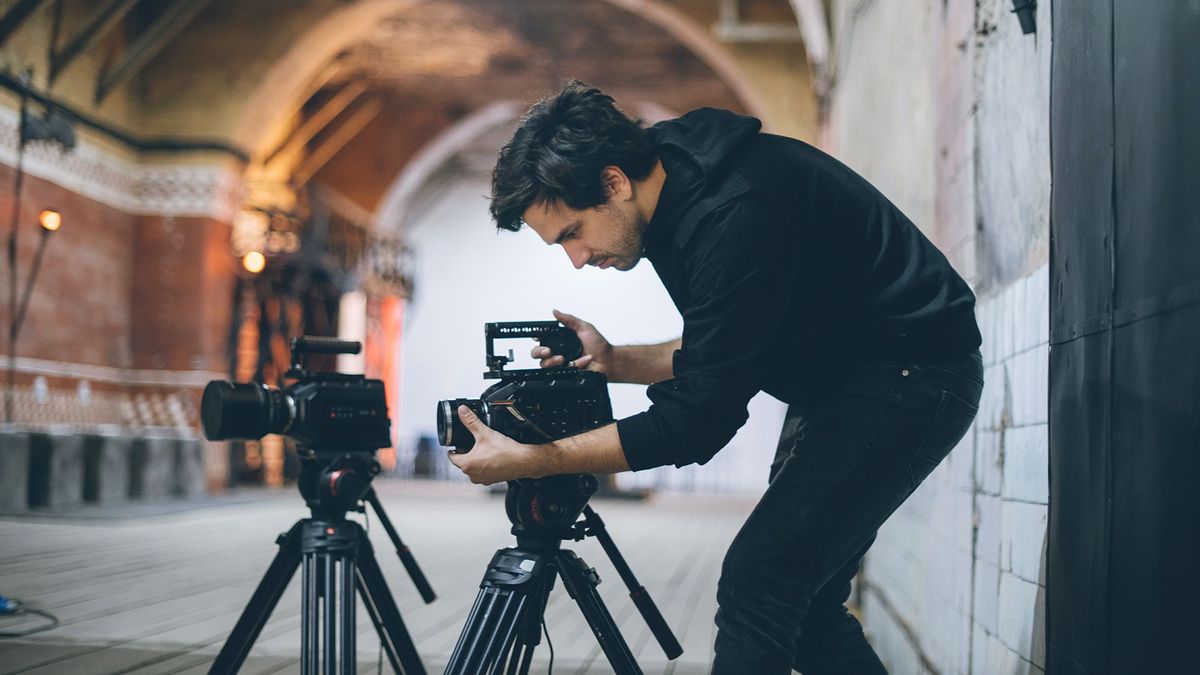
x: 845, y: 463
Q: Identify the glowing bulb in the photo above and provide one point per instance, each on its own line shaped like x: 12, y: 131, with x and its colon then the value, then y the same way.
x: 254, y: 262
x: 50, y: 220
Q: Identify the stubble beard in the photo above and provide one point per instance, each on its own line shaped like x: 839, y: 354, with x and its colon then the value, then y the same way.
x: 630, y: 245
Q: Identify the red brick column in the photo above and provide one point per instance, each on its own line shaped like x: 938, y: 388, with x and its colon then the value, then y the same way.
x: 182, y: 278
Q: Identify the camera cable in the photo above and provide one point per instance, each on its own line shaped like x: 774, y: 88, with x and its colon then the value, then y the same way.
x: 14, y: 607
x: 546, y: 630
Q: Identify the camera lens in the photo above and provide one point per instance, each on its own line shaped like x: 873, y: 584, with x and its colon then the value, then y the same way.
x: 451, y: 431
x: 231, y: 411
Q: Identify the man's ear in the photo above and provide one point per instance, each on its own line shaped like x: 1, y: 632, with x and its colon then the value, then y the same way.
x: 617, y: 186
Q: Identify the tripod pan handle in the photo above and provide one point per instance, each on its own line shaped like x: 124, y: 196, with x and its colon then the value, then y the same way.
x: 419, y: 580
x: 656, y: 622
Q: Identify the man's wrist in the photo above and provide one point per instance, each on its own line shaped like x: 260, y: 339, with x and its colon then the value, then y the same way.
x: 617, y: 365
x: 548, y: 460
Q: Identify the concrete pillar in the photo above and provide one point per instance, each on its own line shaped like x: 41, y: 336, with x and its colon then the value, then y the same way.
x: 56, y: 470
x: 14, y: 471
x: 107, y: 461
x: 151, y: 469
x: 189, y: 468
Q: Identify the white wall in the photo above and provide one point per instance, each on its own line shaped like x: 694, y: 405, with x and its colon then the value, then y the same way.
x: 963, y: 561
x: 955, y: 581
x: 467, y: 274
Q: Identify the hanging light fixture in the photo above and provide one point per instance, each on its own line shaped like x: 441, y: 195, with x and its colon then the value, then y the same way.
x: 1026, y: 11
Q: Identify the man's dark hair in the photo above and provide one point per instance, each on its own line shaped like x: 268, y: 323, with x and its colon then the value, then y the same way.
x: 560, y: 150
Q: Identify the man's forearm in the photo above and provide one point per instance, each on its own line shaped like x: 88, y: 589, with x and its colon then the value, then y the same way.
x: 595, y: 451
x: 644, y: 364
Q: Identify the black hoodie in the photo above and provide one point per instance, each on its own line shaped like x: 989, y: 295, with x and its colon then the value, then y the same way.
x: 788, y: 268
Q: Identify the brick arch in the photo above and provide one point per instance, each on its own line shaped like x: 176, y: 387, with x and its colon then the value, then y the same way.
x: 398, y: 198
x: 289, y: 80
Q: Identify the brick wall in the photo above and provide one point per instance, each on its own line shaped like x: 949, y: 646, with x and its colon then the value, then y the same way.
x: 80, y: 303
x: 129, y: 315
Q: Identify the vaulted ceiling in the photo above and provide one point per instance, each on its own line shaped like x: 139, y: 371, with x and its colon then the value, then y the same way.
x: 343, y: 93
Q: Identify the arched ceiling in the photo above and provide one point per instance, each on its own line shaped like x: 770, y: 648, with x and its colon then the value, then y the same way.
x: 343, y: 93
x: 426, y: 67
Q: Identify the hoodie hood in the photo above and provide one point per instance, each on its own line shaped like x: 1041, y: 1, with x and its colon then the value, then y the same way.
x: 708, y: 137
x: 697, y: 151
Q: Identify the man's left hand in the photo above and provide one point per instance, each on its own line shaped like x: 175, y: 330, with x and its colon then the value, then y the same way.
x: 495, y: 457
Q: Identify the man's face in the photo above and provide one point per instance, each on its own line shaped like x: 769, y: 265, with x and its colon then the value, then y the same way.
x: 609, y: 235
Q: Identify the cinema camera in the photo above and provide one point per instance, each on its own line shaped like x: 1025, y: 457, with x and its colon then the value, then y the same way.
x: 319, y: 410
x: 338, y: 422
x: 535, y: 405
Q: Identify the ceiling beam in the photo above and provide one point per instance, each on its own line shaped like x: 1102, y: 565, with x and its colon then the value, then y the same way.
x: 97, y: 24
x: 16, y: 16
x: 319, y: 120
x: 147, y: 45
x: 336, y: 141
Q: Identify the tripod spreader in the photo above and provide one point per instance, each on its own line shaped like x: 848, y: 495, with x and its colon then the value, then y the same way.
x: 593, y: 526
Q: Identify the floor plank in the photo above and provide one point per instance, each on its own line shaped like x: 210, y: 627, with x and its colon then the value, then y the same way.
x: 155, y: 591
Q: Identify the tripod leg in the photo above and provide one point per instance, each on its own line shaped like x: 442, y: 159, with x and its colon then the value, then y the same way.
x: 384, y: 614
x: 261, y: 604
x: 346, y: 608
x: 503, y: 627
x: 581, y: 581
x: 309, y: 624
x: 489, y: 633
x: 329, y: 570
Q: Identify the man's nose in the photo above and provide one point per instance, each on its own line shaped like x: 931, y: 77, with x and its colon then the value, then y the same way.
x: 578, y: 254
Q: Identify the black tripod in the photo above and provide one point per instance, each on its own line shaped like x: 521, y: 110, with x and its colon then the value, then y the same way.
x: 505, y: 623
x: 336, y: 558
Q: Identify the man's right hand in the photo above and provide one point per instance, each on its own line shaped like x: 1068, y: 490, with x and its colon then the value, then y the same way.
x: 597, y: 352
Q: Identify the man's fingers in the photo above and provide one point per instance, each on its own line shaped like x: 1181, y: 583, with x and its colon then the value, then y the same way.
x: 569, y: 321
x: 583, y: 361
x: 470, y: 420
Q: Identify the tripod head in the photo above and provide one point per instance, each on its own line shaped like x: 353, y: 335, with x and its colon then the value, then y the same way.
x: 333, y: 483
x: 543, y: 511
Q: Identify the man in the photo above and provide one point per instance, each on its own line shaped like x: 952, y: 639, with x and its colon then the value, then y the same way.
x: 793, y: 276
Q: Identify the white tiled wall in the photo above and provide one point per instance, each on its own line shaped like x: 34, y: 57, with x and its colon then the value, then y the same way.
x: 958, y: 574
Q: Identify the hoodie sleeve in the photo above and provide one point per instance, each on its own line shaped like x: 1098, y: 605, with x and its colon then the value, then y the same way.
x: 740, y: 274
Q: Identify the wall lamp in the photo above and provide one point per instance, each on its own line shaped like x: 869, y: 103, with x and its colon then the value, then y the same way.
x: 50, y: 221
x: 1026, y: 11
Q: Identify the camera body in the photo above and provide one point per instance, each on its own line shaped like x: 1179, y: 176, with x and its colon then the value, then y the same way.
x: 322, y: 412
x: 535, y: 405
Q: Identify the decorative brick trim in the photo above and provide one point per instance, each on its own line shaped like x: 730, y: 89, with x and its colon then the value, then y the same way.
x: 123, y: 376
x: 198, y: 190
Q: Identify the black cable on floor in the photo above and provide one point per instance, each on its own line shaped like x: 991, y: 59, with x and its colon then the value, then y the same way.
x: 14, y: 607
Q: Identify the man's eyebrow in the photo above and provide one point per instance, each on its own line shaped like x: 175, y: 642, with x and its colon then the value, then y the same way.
x: 565, y: 231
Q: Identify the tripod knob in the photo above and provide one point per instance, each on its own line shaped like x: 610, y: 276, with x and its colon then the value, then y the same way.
x: 344, y: 485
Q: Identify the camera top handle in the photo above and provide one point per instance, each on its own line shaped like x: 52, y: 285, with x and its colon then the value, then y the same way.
x: 308, y: 344
x: 560, y: 339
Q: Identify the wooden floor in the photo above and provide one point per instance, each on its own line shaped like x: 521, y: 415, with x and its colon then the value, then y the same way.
x: 156, y: 589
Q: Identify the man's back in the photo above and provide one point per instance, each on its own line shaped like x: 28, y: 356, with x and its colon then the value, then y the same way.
x: 855, y: 278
